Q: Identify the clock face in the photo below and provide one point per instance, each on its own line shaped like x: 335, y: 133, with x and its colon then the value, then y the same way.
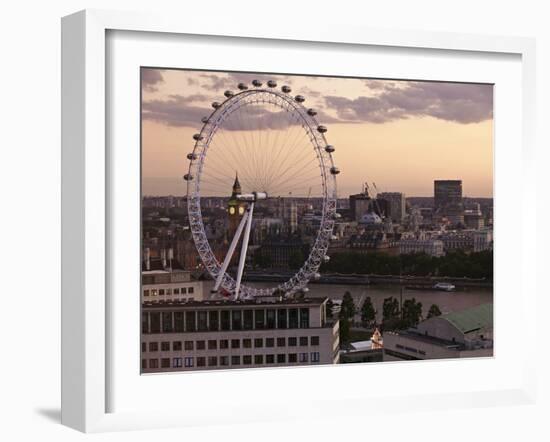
x: 241, y: 210
x: 232, y: 211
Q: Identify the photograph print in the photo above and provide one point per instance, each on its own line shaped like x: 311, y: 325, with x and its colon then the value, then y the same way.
x: 293, y: 220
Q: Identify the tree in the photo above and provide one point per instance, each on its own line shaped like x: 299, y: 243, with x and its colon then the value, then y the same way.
x: 454, y: 264
x: 391, y: 315
x: 390, y: 309
x: 412, y: 313
x: 347, y: 310
x: 329, y: 306
x: 345, y: 327
x: 368, y: 313
x: 434, y: 311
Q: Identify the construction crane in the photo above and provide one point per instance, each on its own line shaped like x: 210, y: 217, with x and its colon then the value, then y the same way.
x: 383, y: 215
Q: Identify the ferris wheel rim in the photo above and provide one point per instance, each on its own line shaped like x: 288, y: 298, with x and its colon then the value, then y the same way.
x: 211, y: 124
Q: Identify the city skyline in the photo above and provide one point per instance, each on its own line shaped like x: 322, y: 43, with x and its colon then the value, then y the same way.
x: 404, y: 122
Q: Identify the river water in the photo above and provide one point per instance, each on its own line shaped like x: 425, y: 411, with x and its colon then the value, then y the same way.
x: 447, y: 302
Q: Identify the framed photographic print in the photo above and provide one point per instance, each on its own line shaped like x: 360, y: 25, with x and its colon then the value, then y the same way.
x: 256, y: 217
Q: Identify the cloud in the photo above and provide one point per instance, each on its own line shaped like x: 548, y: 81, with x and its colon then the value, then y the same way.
x: 384, y: 101
x: 180, y: 111
x: 458, y: 102
x: 219, y: 82
x: 150, y: 78
x: 177, y: 111
x: 308, y: 92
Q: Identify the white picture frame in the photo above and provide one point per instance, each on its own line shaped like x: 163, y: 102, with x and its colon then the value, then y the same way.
x: 87, y: 205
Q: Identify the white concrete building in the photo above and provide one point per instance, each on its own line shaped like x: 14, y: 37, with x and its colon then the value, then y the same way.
x: 483, y: 240
x: 432, y: 247
x: 223, y: 334
x: 164, y: 285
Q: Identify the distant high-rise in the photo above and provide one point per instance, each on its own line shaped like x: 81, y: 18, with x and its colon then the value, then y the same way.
x: 395, y: 205
x: 447, y: 193
x: 359, y: 204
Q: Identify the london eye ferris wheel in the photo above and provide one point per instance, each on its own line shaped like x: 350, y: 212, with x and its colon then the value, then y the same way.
x: 278, y: 148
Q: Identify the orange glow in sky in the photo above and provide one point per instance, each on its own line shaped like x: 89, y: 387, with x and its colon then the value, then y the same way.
x: 402, y: 135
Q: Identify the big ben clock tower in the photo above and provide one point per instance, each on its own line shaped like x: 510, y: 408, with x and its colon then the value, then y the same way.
x: 235, y: 209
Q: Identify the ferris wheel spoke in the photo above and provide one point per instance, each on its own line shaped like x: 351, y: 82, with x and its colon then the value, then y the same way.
x: 293, y: 173
x: 288, y: 161
x: 238, y: 144
x: 289, y: 184
x: 272, y: 149
x: 269, y: 152
x: 219, y: 168
x: 246, y: 146
x: 300, y: 183
x: 258, y: 146
x: 292, y: 165
x: 223, y: 173
x: 221, y: 155
x: 246, y: 168
x: 253, y: 119
x: 291, y: 149
x: 227, y: 148
x: 261, y: 152
x: 287, y: 134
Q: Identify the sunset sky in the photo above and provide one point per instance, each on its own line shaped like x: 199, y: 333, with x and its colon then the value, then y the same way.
x: 401, y: 135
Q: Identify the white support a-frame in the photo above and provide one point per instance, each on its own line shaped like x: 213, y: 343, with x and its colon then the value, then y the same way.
x: 231, y: 250
x: 244, y: 248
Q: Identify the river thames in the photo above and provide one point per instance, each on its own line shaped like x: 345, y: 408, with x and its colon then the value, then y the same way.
x: 448, y: 302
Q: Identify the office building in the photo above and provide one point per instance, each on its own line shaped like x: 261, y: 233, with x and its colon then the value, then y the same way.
x: 395, y: 204
x: 432, y: 247
x: 483, y: 240
x: 447, y: 193
x: 227, y: 334
x: 173, y: 286
x: 359, y: 205
x: 473, y: 218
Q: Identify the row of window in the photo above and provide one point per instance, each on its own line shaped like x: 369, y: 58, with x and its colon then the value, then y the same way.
x: 226, y: 361
x: 169, y: 291
x: 412, y: 350
x: 214, y: 320
x: 222, y: 344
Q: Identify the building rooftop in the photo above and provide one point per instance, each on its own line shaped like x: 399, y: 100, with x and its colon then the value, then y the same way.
x: 361, y: 345
x: 414, y: 335
x: 229, y: 303
x: 472, y: 319
x: 156, y: 264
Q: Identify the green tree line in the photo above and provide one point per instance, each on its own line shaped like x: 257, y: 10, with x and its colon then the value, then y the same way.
x: 453, y: 264
x: 394, y: 315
